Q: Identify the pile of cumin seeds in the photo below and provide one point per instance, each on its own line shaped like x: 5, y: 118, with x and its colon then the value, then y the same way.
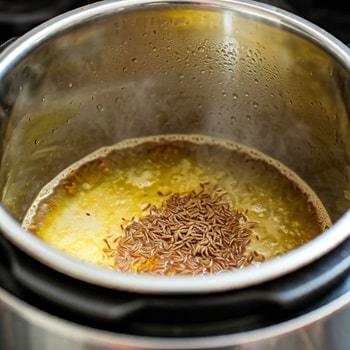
x: 189, y: 234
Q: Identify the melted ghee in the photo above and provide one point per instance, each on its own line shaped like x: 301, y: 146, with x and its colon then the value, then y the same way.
x: 91, y: 200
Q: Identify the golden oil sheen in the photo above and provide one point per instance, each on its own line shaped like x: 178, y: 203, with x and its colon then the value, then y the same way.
x: 91, y: 200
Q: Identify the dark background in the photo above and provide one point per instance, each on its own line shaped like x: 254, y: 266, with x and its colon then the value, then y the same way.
x: 18, y: 16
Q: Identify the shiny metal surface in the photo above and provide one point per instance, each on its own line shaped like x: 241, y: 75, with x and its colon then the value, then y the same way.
x: 231, y: 69
x: 24, y: 327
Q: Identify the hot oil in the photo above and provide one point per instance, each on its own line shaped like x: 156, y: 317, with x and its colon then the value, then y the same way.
x: 86, y: 208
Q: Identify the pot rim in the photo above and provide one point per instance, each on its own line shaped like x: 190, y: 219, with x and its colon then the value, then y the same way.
x: 237, y: 279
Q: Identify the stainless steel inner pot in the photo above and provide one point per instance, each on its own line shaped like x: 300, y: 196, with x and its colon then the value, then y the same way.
x: 236, y: 70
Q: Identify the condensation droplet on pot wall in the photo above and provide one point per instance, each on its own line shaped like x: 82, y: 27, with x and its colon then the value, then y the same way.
x: 347, y: 194
x: 100, y: 107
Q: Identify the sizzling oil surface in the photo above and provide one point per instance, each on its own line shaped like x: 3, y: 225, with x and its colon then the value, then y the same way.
x: 91, y: 200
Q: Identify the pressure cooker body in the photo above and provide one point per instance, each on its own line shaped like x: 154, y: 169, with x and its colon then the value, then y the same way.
x: 25, y: 326
x: 235, y: 70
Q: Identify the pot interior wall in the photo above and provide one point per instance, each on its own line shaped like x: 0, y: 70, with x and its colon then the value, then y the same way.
x: 176, y: 69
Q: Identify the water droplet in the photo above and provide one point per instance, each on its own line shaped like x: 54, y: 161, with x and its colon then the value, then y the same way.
x: 347, y: 194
